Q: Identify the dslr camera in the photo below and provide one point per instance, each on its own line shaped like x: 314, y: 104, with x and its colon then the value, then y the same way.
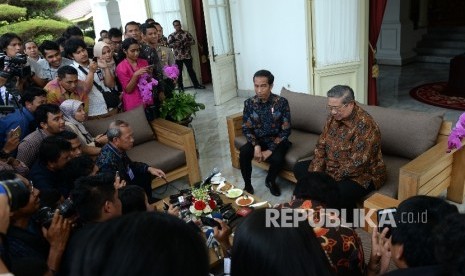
x: 17, y: 193
x: 45, y: 214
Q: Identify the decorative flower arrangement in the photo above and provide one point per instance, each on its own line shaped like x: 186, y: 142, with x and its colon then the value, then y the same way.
x: 201, y: 201
x: 456, y: 135
x: 145, y: 85
x: 171, y: 72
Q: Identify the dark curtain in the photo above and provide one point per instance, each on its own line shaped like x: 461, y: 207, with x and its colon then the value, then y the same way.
x: 202, y: 43
x: 377, y: 8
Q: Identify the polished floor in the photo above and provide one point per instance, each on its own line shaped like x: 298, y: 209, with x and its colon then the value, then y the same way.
x: 211, y: 134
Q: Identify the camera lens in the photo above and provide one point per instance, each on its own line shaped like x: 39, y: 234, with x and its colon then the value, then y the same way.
x: 67, y: 208
x: 44, y: 216
x: 18, y: 194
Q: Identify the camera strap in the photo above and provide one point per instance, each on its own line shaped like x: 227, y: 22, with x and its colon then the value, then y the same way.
x: 95, y: 84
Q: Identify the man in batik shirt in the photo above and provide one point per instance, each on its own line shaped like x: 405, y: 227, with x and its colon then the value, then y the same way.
x: 181, y: 42
x: 267, y: 126
x: 348, y: 150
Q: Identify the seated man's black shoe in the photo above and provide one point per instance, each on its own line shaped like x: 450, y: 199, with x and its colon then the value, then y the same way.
x: 249, y: 189
x: 274, y: 189
x: 199, y: 86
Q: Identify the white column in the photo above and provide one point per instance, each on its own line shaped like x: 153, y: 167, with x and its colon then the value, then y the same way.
x: 397, y: 38
x: 100, y: 15
x: 131, y: 10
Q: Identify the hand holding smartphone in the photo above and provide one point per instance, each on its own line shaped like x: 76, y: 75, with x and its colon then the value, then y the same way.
x: 16, y: 132
x: 386, y: 218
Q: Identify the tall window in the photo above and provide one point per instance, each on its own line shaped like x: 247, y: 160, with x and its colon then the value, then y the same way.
x: 164, y: 12
x: 336, y: 31
x: 218, y: 11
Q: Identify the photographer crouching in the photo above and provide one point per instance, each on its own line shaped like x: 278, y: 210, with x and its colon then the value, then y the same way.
x: 15, y: 72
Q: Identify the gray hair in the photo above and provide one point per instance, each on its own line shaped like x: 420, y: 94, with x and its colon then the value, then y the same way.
x: 342, y: 91
x: 114, y: 130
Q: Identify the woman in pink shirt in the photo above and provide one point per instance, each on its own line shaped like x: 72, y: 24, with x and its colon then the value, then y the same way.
x: 129, y: 71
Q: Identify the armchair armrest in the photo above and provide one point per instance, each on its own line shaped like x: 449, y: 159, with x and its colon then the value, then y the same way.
x: 234, y: 122
x: 377, y: 202
x: 182, y: 138
x: 432, y: 172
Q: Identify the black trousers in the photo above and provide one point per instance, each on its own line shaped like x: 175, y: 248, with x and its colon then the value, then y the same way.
x: 190, y: 70
x: 143, y: 180
x: 351, y: 192
x: 276, y: 160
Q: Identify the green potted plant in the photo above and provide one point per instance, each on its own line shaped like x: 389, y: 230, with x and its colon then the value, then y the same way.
x: 180, y: 108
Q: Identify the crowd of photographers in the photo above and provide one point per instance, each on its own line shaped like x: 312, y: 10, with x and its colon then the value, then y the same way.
x: 51, y: 190
x: 63, y: 213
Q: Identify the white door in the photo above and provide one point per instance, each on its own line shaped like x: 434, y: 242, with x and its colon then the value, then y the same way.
x: 221, y: 51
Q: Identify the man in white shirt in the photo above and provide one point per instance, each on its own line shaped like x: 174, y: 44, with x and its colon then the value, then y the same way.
x: 98, y: 79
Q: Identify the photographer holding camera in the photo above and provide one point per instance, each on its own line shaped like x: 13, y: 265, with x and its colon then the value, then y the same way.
x: 15, y: 70
x: 31, y: 248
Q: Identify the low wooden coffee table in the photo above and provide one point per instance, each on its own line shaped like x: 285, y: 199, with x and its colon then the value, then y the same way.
x: 213, y: 258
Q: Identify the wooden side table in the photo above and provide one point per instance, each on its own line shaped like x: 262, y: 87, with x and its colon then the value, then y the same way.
x: 377, y: 201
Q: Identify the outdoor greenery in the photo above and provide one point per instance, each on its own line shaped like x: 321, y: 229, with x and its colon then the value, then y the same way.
x: 34, y: 19
x: 31, y: 29
x: 11, y: 13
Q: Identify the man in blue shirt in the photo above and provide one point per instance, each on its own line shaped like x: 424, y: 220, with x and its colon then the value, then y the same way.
x: 266, y: 125
x: 23, y: 116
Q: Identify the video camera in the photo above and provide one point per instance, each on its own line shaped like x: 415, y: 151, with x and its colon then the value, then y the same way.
x: 14, y: 66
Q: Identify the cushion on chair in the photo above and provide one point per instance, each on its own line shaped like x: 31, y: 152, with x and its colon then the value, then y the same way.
x: 308, y: 112
x: 405, y: 133
x: 158, y: 155
x: 136, y: 119
x: 393, y: 165
x: 303, y: 145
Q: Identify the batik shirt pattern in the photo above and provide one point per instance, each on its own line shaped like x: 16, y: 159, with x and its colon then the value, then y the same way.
x: 267, y: 123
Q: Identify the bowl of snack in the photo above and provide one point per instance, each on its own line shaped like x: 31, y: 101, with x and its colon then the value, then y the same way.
x: 233, y: 193
x: 223, y: 188
x: 244, y: 200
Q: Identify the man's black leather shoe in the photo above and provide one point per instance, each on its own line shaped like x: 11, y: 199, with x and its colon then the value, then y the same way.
x: 199, y: 86
x: 249, y: 189
x: 274, y: 189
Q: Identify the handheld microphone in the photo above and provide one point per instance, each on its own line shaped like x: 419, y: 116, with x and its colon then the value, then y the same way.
x: 208, y: 179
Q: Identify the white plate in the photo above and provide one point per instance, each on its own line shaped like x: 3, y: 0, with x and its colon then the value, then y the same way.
x: 217, y: 179
x: 251, y: 200
x: 233, y: 193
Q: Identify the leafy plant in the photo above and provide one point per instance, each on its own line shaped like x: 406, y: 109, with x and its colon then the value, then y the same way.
x: 180, y: 107
x: 35, y: 27
x: 11, y: 13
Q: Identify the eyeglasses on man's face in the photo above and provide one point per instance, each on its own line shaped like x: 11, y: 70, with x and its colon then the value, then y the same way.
x: 331, y: 108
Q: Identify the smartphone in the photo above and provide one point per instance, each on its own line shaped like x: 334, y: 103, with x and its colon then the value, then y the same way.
x: 386, y: 218
x: 165, y: 205
x: 117, y: 174
x: 210, y: 222
x: 94, y: 59
x: 16, y: 131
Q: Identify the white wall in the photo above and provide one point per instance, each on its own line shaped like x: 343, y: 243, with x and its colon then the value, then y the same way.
x: 132, y: 10
x: 272, y: 35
